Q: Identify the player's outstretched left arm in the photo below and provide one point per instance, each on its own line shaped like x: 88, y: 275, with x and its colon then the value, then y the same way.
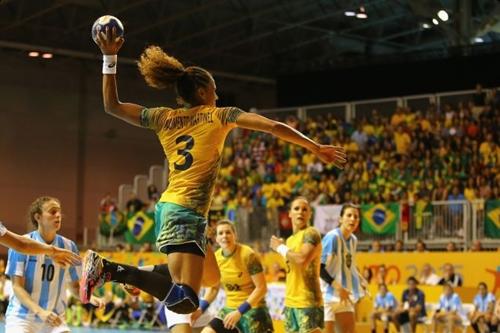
x: 27, y: 245
x: 110, y: 44
x: 326, y: 153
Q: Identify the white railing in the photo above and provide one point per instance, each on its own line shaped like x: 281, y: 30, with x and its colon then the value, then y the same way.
x: 441, y: 222
x: 478, y: 224
x: 460, y: 221
x: 385, y: 106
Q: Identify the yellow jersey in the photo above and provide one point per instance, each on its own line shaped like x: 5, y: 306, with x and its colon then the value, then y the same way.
x: 302, y: 283
x: 193, y: 141
x: 236, y: 274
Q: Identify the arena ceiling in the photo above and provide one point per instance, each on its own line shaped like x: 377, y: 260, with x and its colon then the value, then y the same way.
x: 257, y: 39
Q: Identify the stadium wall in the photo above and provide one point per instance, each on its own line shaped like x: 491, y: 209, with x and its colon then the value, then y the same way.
x: 55, y: 138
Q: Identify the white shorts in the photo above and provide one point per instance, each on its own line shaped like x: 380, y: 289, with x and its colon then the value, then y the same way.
x: 19, y: 325
x: 174, y: 318
x: 333, y: 307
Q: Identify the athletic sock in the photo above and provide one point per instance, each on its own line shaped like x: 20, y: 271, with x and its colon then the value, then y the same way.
x: 156, y: 283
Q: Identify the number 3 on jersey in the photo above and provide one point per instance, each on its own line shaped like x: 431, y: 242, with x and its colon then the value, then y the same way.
x: 188, y: 158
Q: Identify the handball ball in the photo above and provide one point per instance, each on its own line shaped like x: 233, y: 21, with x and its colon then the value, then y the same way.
x: 107, y: 21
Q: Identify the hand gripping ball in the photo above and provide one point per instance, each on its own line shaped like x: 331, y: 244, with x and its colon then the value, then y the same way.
x: 107, y: 21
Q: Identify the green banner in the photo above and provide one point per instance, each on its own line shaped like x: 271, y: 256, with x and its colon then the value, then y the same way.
x: 140, y: 228
x: 379, y: 219
x: 114, y: 220
x: 492, y: 219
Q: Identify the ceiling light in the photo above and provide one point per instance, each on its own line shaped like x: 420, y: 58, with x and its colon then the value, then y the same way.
x: 443, y: 15
x: 47, y: 56
x: 33, y: 54
x: 349, y: 13
x: 435, y: 21
x: 426, y: 25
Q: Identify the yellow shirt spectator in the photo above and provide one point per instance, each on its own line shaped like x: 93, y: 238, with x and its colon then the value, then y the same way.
x: 369, y: 129
x: 402, y: 141
x: 425, y: 125
x: 352, y: 147
x: 308, y: 159
x: 275, y: 201
x: 397, y: 118
x: 485, y: 149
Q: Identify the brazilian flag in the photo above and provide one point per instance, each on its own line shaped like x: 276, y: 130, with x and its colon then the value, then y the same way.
x: 114, y: 220
x: 492, y: 219
x: 379, y: 219
x: 140, y: 228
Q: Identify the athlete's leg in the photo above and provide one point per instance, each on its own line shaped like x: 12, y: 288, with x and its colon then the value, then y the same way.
x: 211, y: 273
x: 344, y: 322
x: 329, y: 316
x: 97, y: 270
x: 187, y: 271
x: 187, y: 265
x: 373, y: 319
x: 155, y: 280
x: 329, y: 327
x: 181, y: 328
x: 182, y: 236
x: 413, y: 319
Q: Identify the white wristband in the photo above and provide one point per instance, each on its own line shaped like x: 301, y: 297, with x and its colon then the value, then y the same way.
x: 283, y: 250
x: 109, y: 63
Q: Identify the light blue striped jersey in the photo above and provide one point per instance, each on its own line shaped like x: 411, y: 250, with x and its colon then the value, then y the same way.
x: 45, y: 281
x: 481, y: 303
x: 338, y: 256
x: 387, y: 301
x: 450, y: 303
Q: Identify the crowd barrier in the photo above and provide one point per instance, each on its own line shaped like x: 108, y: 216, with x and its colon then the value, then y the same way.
x: 436, y: 223
x: 474, y: 267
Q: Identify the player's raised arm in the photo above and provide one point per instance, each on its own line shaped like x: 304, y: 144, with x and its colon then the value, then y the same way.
x: 110, y: 43
x: 326, y: 153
